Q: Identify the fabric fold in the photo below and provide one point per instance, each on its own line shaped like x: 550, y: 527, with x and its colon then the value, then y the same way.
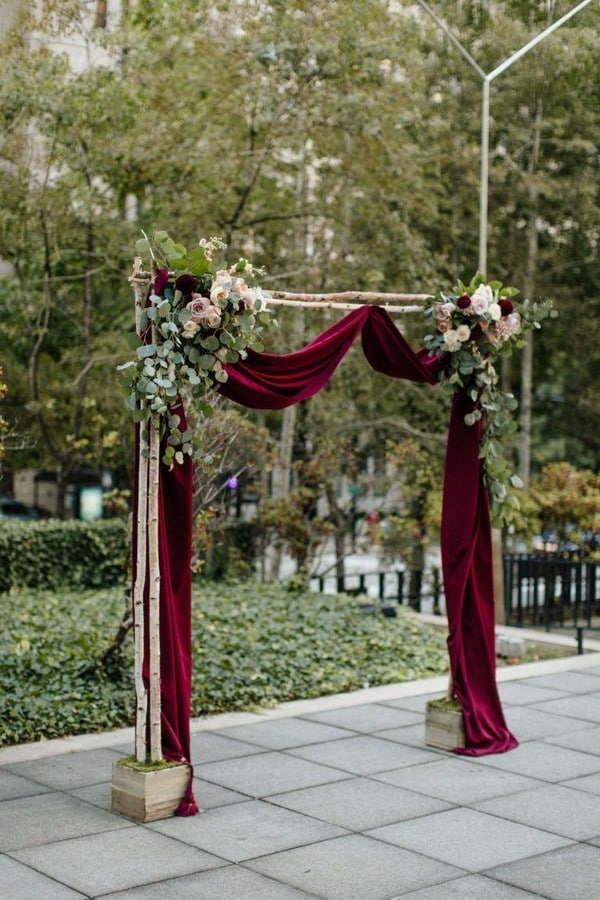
x: 274, y: 381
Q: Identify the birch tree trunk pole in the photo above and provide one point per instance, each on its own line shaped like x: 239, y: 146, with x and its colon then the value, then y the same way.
x: 140, y: 283
x: 154, y: 590
x: 141, y: 550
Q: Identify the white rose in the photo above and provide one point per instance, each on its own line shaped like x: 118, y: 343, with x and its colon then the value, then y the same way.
x: 218, y: 292
x: 190, y: 329
x: 495, y: 311
x: 451, y: 340
x: 481, y: 299
x: 463, y: 332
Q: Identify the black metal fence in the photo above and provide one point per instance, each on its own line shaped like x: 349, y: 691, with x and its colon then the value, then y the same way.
x: 380, y: 585
x: 551, y: 591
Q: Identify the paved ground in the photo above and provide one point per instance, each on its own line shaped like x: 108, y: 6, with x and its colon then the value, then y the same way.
x: 334, y: 798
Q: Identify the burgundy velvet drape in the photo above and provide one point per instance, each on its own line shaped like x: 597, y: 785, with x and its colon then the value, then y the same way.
x: 174, y: 551
x: 271, y: 381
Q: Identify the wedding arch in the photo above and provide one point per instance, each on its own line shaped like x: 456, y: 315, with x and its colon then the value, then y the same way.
x: 198, y: 328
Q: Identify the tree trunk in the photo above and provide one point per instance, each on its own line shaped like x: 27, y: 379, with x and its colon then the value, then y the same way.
x: 529, y: 291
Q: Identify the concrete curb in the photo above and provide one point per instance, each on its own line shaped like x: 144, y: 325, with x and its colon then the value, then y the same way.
x: 379, y: 694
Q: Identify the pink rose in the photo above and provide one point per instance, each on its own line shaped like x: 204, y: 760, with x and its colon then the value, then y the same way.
x: 210, y: 316
x: 197, y: 305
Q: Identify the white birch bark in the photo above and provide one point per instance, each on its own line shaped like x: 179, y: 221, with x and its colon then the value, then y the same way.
x: 140, y: 282
x: 141, y: 694
x: 154, y: 591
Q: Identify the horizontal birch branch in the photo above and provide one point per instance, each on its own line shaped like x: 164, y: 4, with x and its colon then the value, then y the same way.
x: 327, y: 304
x: 360, y: 297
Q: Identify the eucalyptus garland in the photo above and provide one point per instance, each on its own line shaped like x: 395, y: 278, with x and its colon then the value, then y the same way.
x: 475, y: 326
x: 198, y: 318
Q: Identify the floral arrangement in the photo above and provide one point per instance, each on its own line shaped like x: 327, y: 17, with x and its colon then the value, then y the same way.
x: 475, y: 326
x: 200, y: 317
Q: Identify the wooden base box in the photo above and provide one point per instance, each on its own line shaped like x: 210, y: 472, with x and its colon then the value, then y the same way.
x: 444, y: 726
x: 148, y: 796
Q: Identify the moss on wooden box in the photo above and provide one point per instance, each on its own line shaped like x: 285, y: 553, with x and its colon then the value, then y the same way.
x: 444, y: 724
x: 148, y: 791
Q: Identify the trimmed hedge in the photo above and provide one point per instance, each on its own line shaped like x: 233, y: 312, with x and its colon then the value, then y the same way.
x: 253, y: 645
x: 54, y: 554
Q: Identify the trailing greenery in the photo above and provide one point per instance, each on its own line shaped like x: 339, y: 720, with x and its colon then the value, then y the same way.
x: 253, y: 646
x: 71, y: 554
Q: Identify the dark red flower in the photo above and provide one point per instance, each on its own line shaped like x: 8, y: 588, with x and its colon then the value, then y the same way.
x: 463, y: 301
x: 506, y: 306
x: 186, y: 283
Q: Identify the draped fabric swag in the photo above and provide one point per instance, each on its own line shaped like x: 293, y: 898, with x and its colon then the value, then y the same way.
x: 273, y: 381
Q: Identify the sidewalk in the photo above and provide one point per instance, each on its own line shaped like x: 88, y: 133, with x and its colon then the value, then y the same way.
x: 330, y: 798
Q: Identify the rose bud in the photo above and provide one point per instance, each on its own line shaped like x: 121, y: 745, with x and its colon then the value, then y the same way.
x: 463, y: 301
x: 506, y: 306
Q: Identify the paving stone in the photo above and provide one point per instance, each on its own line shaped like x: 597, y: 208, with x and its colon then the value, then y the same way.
x: 227, y: 883
x: 585, y: 707
x: 517, y: 693
x: 359, y: 803
x: 247, y: 830
x: 69, y: 770
x: 282, y: 734
x: 96, y: 794
x: 575, y: 682
x: 210, y: 746
x: 367, y: 718
x: 552, y: 807
x: 472, y: 887
x: 546, y: 762
x: 269, y: 773
x: 115, y: 860
x: 13, y: 786
x: 364, y: 755
x: 469, y: 839
x: 457, y: 780
x: 412, y: 735
x: 211, y: 796
x: 28, y: 822
x: 530, y: 724
x: 19, y: 882
x: 353, y: 868
x: 586, y: 740
x: 568, y: 874
x: 590, y: 783
x: 417, y: 703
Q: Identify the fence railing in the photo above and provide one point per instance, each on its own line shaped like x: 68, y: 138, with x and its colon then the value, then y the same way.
x: 376, y: 585
x: 551, y: 592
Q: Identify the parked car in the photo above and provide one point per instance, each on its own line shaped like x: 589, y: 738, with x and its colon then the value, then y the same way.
x: 15, y: 511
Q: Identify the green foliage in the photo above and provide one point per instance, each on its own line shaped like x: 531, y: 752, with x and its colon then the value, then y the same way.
x: 263, y: 646
x: 47, y: 639
x: 566, y: 500
x: 232, y: 550
x: 474, y: 328
x: 206, y: 318
x: 52, y: 554
x: 252, y: 646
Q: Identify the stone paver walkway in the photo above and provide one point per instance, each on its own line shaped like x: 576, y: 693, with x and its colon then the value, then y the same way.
x: 333, y: 798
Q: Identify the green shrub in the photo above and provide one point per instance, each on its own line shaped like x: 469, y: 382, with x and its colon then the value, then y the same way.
x: 55, y: 554
x: 234, y: 552
x: 253, y: 646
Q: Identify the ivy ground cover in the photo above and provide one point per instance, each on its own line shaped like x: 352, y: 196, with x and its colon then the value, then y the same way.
x: 254, y: 645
